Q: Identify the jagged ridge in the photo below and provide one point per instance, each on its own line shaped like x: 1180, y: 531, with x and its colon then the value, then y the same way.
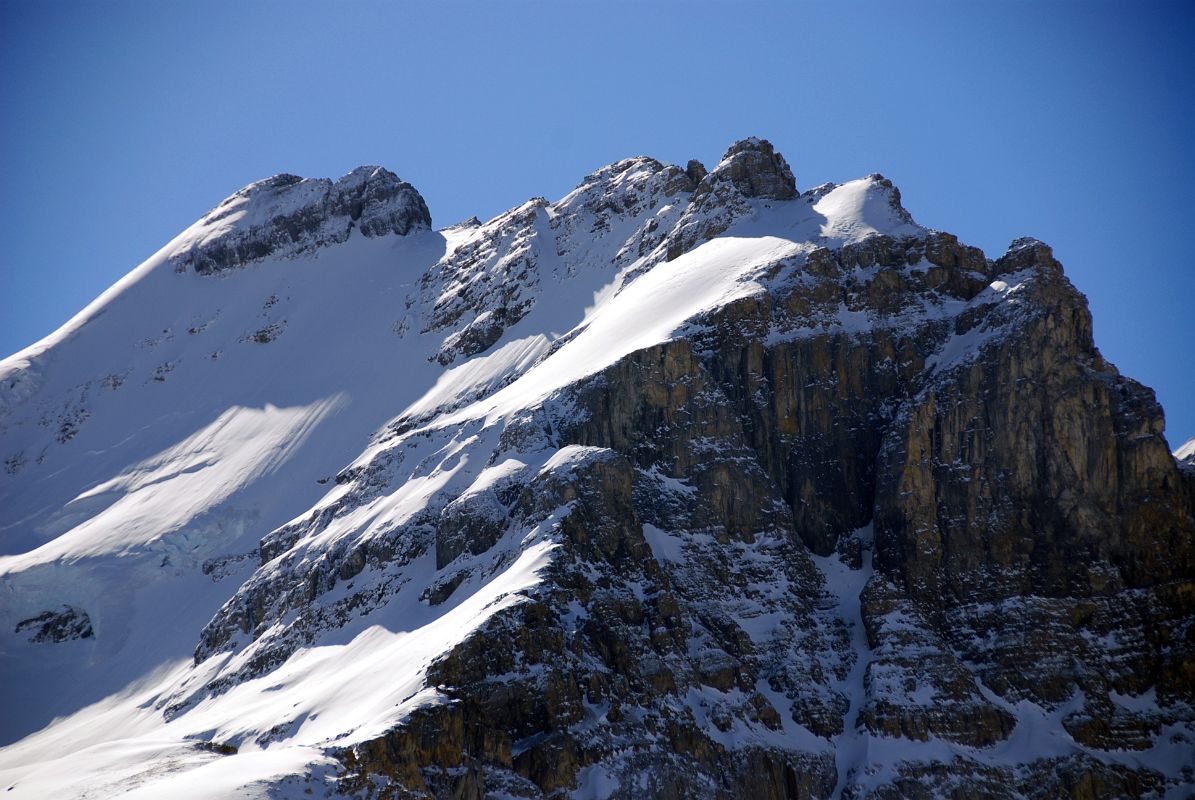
x: 287, y: 215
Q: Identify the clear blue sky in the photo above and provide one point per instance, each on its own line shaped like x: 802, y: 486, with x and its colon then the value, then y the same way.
x: 1070, y: 121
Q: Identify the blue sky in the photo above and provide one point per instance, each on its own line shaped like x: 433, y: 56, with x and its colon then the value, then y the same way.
x: 124, y: 122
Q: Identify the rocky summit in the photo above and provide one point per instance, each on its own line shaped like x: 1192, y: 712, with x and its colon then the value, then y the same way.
x: 688, y: 484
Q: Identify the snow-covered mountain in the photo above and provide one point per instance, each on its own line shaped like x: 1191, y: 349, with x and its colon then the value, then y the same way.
x: 1186, y: 453
x: 687, y: 484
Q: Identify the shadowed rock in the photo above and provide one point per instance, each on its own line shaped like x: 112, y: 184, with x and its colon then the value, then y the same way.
x: 288, y: 216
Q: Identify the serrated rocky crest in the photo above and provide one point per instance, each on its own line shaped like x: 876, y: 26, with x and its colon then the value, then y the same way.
x: 711, y: 488
x: 287, y: 216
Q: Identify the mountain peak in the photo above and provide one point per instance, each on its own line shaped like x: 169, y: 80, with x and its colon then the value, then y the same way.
x: 753, y: 167
x: 289, y: 215
x: 1027, y: 252
x: 1027, y: 243
x: 367, y: 172
x: 696, y: 170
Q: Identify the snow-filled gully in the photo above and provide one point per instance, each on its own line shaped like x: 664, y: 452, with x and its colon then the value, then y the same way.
x: 845, y: 585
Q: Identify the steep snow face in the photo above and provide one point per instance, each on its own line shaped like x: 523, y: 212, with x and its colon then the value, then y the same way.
x: 182, y: 419
x: 200, y: 466
x: 1186, y: 451
x: 863, y: 208
x: 183, y: 368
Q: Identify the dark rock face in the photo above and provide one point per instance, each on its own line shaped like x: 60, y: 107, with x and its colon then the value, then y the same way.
x: 523, y: 696
x: 57, y: 626
x: 1035, y: 466
x: 755, y: 169
x: 487, y: 284
x: 1038, y: 476
x: 287, y: 215
x: 750, y: 172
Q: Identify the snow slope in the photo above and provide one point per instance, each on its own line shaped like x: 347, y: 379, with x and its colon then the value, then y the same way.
x: 1186, y: 451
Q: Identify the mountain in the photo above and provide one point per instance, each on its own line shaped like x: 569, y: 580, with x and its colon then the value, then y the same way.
x: 1186, y: 453
x: 688, y: 484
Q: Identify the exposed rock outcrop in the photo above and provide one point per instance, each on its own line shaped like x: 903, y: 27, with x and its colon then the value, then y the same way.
x: 755, y: 169
x: 751, y: 170
x: 57, y: 626
x: 288, y: 215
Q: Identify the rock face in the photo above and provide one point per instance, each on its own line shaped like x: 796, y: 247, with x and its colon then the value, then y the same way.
x: 288, y: 215
x: 755, y: 169
x: 57, y: 626
x: 813, y: 502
